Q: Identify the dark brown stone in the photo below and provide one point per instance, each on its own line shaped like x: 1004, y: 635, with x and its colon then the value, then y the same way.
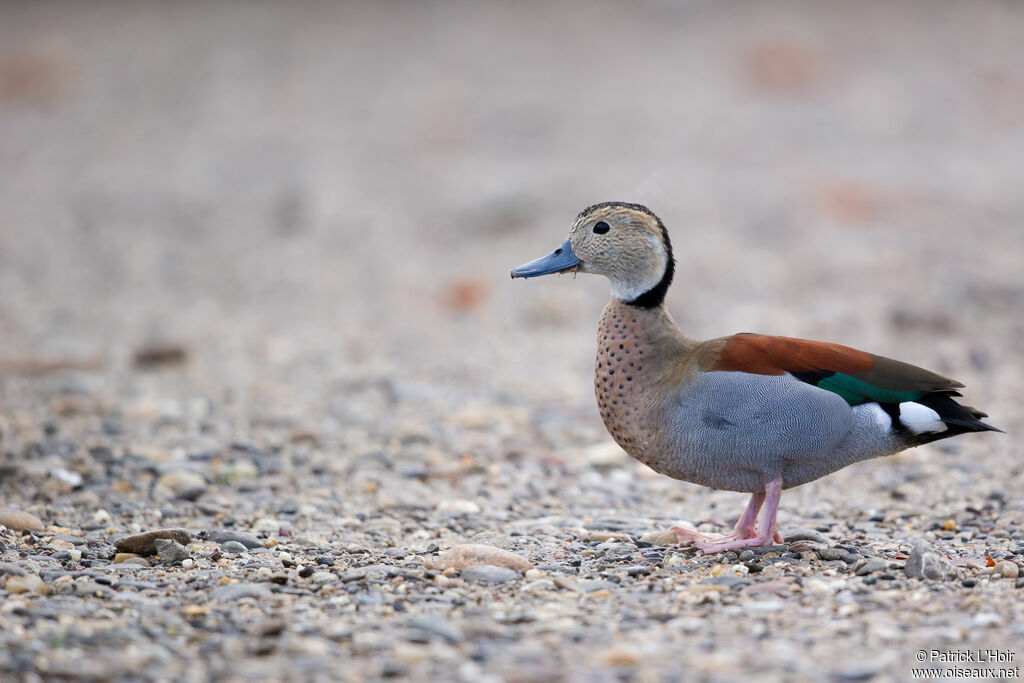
x: 145, y: 543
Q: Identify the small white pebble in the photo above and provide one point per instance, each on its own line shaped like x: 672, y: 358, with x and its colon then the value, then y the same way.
x: 987, y: 620
x: 533, y: 574
x: 188, y: 563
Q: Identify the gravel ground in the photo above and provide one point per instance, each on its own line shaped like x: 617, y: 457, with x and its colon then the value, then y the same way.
x: 254, y: 293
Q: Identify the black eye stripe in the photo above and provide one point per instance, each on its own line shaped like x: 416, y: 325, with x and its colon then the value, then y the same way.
x: 600, y: 228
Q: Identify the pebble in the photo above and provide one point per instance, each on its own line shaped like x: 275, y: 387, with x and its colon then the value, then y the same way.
x: 233, y: 547
x: 1007, y: 569
x: 986, y: 620
x: 184, y: 484
x: 818, y: 586
x: 589, y: 586
x: 230, y: 592
x: 664, y: 537
x: 74, y: 554
x: 454, y: 508
x: 7, y: 568
x: 170, y: 551
x: 323, y: 577
x: 131, y: 559
x: 762, y: 550
x: 922, y: 563
x: 238, y: 472
x: 807, y: 535
x: 223, y: 536
x: 29, y: 583
x: 487, y: 573
x: 728, y: 580
x: 63, y: 585
x: 829, y: 554
x: 66, y: 476
x: 602, y: 536
x: 566, y: 583
x: 871, y: 565
x: 145, y: 543
x: 470, y: 554
x: 19, y: 520
x: 268, y: 525
x: 429, y: 624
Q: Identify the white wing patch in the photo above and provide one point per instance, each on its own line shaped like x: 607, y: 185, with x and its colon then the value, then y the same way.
x: 879, y: 416
x: 920, y: 419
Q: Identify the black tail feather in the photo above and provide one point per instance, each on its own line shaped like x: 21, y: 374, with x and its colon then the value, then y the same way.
x: 962, y: 418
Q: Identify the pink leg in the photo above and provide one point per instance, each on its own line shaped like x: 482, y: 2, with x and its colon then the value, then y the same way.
x: 767, y: 533
x: 745, y: 527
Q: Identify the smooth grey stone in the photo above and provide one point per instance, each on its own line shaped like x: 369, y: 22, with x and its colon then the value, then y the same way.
x: 593, y: 586
x: 11, y: 568
x: 732, y: 582
x: 828, y: 554
x: 370, y: 598
x: 236, y: 591
x: 353, y: 575
x: 872, y: 565
x: 488, y: 573
x: 170, y: 551
x: 430, y: 624
x: 922, y: 563
x: 807, y: 535
x: 222, y: 536
x: 233, y: 547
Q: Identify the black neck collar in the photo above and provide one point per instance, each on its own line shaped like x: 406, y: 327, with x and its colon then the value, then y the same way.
x: 655, y: 296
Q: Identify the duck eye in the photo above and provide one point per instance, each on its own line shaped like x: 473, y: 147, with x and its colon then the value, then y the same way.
x: 600, y: 228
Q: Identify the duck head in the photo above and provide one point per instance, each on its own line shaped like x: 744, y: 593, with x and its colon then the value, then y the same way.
x: 626, y: 243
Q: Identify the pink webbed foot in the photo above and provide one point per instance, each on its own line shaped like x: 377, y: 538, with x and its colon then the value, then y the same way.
x: 746, y: 534
x: 684, y: 535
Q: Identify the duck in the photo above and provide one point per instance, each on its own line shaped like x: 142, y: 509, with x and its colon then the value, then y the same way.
x: 750, y: 413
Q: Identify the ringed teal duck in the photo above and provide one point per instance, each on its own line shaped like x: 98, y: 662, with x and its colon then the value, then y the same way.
x: 749, y: 412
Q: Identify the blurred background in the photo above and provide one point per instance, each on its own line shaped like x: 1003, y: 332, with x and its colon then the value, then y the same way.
x: 268, y: 183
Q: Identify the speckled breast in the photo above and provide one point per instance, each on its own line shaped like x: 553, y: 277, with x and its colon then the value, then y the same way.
x: 620, y: 360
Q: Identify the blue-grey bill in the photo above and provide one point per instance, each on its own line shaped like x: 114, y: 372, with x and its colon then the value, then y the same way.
x: 560, y: 260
